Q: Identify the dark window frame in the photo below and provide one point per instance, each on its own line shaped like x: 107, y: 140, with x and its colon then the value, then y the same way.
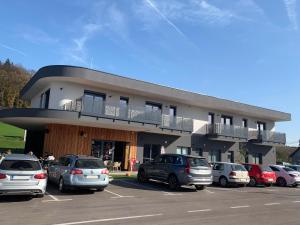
x: 212, y: 118
x: 175, y: 110
x: 245, y: 123
x: 225, y: 117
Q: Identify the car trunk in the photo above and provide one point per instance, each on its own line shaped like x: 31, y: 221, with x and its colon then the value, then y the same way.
x: 19, y: 178
x: 198, y: 167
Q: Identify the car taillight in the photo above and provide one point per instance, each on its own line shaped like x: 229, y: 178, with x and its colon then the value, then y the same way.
x: 76, y: 172
x: 188, y: 167
x: 104, y: 171
x: 2, y: 176
x: 232, y: 174
x: 40, y: 176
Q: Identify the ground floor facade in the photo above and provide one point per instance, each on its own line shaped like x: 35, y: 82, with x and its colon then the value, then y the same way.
x: 123, y: 146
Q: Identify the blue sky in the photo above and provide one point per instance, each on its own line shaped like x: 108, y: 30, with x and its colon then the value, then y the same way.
x: 243, y: 50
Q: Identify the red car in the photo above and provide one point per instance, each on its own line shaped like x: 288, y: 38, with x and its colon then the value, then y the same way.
x: 260, y: 175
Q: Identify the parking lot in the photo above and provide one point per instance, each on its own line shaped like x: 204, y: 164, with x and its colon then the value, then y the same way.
x: 126, y: 201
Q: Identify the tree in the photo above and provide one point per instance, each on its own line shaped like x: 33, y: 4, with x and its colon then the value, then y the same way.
x: 12, y: 79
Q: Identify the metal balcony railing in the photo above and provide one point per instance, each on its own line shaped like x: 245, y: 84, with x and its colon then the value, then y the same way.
x: 268, y: 136
x: 227, y: 131
x: 130, y: 114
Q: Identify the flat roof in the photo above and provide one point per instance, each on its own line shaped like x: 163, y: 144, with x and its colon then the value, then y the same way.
x: 106, y: 80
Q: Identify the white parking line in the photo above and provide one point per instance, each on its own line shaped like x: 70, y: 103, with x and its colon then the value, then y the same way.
x: 272, y: 203
x: 54, y: 199
x: 109, y: 219
x: 296, y: 201
x: 117, y: 195
x: 200, y: 210
x: 240, y: 207
x: 211, y: 192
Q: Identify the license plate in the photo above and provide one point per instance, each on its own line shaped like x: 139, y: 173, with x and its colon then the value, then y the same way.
x: 91, y: 177
x: 20, y: 177
x: 270, y: 180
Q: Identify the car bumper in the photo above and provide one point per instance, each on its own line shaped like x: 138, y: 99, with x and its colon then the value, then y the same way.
x: 30, y: 190
x: 88, y: 183
x: 199, y: 181
x: 266, y: 181
x: 239, y: 180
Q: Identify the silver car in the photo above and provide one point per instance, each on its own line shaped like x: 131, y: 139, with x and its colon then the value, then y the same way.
x: 79, y: 172
x: 177, y: 170
x: 22, y: 175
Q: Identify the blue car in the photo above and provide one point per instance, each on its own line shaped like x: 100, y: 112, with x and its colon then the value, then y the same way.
x: 79, y: 172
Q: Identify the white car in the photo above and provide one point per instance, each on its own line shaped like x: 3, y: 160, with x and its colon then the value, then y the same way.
x: 230, y: 173
x: 286, y: 176
x: 22, y: 175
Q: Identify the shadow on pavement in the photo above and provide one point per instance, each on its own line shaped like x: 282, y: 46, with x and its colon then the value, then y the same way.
x: 15, y: 198
x: 53, y: 190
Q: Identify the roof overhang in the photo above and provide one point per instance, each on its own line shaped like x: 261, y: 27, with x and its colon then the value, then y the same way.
x: 100, y: 79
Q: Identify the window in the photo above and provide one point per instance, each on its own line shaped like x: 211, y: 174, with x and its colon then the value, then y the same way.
x: 93, y: 102
x: 261, y: 126
x: 153, y: 107
x: 245, y: 123
x: 257, y: 158
x: 199, y: 151
x: 22, y: 165
x: 238, y: 167
x: 275, y: 169
x: 214, y: 156
x: 183, y: 150
x: 218, y: 166
x: 230, y: 156
x: 123, y: 111
x: 177, y: 160
x: 173, y: 111
x: 194, y: 162
x: 211, y: 118
x: 44, y: 100
x: 226, y: 120
x: 151, y: 152
x: 248, y: 167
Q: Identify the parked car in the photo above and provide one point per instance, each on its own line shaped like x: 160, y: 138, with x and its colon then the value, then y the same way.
x: 177, y: 170
x: 230, y: 173
x: 22, y: 175
x: 286, y: 176
x: 260, y: 175
x: 79, y: 172
x: 294, y: 167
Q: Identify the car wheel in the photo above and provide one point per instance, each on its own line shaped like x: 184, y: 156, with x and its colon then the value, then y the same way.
x: 61, y: 185
x: 40, y: 195
x: 281, y: 182
x: 223, y: 181
x: 200, y: 187
x: 142, y: 177
x: 173, y: 182
x: 252, y: 182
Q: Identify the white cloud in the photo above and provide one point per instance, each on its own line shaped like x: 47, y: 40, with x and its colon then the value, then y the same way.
x: 37, y: 35
x: 13, y: 49
x: 291, y: 12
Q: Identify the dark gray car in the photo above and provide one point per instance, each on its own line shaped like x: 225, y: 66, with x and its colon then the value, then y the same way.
x: 177, y: 170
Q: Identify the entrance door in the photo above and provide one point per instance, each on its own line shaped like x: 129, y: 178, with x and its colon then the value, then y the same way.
x: 119, y: 153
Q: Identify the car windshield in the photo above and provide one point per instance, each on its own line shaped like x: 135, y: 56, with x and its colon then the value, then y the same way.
x: 89, y: 163
x: 20, y: 165
x: 194, y: 162
x: 287, y: 169
x: 266, y: 169
x: 237, y: 167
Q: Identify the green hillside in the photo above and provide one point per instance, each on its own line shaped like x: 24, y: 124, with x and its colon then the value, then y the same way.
x: 11, y: 137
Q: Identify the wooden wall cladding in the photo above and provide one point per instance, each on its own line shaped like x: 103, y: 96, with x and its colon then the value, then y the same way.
x: 69, y: 139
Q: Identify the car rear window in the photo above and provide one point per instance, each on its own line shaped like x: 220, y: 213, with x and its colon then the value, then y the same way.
x: 20, y: 165
x: 287, y: 169
x: 194, y: 162
x: 89, y: 163
x: 266, y: 169
x: 238, y: 168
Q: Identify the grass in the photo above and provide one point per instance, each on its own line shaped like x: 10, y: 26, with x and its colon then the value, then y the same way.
x: 11, y: 137
x: 118, y: 176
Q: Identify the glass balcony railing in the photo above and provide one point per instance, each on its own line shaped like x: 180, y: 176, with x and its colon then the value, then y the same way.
x: 268, y: 136
x: 130, y: 114
x: 219, y: 129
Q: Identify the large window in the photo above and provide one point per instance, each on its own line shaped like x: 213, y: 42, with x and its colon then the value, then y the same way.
x: 214, y: 156
x: 151, y: 152
x: 257, y: 158
x: 153, y: 112
x: 211, y: 118
x: 44, y: 100
x: 173, y: 111
x: 230, y: 156
x: 245, y: 123
x: 123, y: 111
x: 261, y: 126
x: 226, y: 120
x: 93, y: 102
x: 183, y: 150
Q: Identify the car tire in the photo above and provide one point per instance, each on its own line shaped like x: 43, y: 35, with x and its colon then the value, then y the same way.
x: 223, y: 182
x: 61, y: 185
x: 252, y: 182
x: 173, y: 182
x: 142, y: 177
x: 281, y: 182
x: 200, y: 187
x: 40, y: 195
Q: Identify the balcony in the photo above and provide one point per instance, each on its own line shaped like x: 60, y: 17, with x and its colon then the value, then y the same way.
x: 226, y: 132
x: 130, y: 114
x: 267, y: 137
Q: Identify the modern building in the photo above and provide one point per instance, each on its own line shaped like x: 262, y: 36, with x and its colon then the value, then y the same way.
x: 295, y: 156
x: 77, y: 110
